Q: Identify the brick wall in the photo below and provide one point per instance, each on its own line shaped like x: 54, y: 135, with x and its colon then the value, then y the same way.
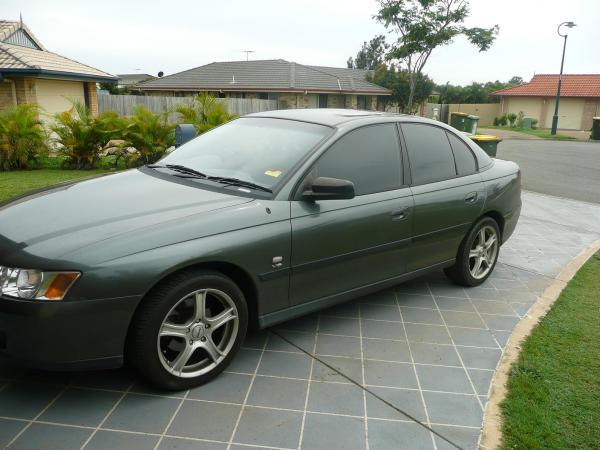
x: 6, y: 94
x: 25, y: 90
x: 92, y: 97
x: 350, y: 102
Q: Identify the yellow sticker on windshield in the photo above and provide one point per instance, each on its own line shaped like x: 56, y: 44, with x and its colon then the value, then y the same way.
x: 273, y: 173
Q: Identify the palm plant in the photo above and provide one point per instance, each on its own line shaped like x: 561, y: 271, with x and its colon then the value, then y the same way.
x: 151, y: 135
x: 81, y: 136
x: 22, y: 136
x: 205, y: 113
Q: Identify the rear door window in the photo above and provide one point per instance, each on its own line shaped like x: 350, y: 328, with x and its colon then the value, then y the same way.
x: 465, y: 160
x: 429, y: 151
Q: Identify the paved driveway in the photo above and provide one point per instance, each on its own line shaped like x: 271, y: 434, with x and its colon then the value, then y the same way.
x: 408, y: 367
x: 560, y: 168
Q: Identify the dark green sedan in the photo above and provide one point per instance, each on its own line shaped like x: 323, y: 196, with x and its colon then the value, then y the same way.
x: 269, y: 217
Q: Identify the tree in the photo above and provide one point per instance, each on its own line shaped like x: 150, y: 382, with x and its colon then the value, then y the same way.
x: 473, y: 93
x: 424, y: 25
x: 516, y: 80
x: 398, y: 81
x: 371, y: 55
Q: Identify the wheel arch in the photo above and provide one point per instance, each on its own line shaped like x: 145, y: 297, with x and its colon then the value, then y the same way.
x: 499, y: 218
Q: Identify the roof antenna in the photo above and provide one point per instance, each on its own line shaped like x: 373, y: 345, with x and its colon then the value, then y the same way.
x: 247, y: 52
x: 20, y: 20
x: 232, y: 79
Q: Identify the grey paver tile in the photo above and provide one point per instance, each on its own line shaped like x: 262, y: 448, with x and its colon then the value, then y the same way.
x: 453, y: 409
x: 245, y: 361
x: 346, y: 309
x: 447, y: 289
x: 473, y: 337
x: 351, y: 367
x: 406, y: 400
x: 380, y: 329
x: 50, y: 437
x: 385, y: 435
x: 323, y: 432
x: 386, y: 297
x: 339, y: 325
x: 380, y: 312
x: 434, y: 354
x: 500, y: 322
x: 494, y: 307
x: 434, y: 334
x: 338, y: 346
x: 143, y: 413
x: 171, y: 443
x: 269, y: 427
x: 83, y: 407
x: 480, y: 358
x: 386, y: 350
x: 462, y: 319
x: 465, y: 438
x: 227, y: 387
x: 447, y: 379
x: 278, y: 393
x: 336, y: 398
x: 390, y: 374
x: 294, y: 365
x: 111, y: 440
x: 481, y: 380
x: 256, y: 339
x: 306, y: 324
x: 418, y: 315
x: 26, y: 400
x: 9, y: 429
x: 416, y: 300
x: 204, y: 420
x: 454, y: 304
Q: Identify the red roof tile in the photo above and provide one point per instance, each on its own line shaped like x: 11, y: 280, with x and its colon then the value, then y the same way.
x: 545, y: 86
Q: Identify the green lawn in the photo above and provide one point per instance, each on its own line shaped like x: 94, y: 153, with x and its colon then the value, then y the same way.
x: 554, y: 390
x: 22, y: 181
x: 544, y: 134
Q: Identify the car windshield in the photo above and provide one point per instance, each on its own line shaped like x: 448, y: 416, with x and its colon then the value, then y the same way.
x: 256, y: 150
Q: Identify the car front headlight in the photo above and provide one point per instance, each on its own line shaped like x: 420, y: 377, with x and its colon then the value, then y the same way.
x: 35, y: 284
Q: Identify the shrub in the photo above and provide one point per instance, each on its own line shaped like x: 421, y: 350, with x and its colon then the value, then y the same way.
x: 496, y: 121
x: 22, y: 137
x: 520, y: 117
x: 205, y: 113
x: 80, y: 136
x: 150, y: 134
x: 502, y: 120
x: 534, y: 123
x: 511, y: 117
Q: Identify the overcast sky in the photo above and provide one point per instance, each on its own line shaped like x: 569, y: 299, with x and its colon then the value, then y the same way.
x: 129, y: 36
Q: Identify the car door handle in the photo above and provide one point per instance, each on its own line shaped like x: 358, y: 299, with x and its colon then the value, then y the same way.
x: 400, y: 214
x: 471, y: 197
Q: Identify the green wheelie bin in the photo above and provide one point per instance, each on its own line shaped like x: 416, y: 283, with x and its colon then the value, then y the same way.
x: 595, y: 128
x: 487, y: 142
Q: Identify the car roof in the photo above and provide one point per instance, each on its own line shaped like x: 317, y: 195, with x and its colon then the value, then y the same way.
x: 323, y: 116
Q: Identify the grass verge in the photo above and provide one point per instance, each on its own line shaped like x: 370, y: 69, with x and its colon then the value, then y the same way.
x: 19, y: 182
x: 544, y: 134
x: 553, y: 396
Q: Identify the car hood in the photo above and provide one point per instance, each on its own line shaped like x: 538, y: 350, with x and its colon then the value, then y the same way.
x: 59, y: 221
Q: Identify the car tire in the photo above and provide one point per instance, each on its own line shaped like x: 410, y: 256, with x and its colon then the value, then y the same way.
x: 476, y: 259
x: 187, y: 329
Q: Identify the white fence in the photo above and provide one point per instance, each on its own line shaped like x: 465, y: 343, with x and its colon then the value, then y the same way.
x: 123, y: 104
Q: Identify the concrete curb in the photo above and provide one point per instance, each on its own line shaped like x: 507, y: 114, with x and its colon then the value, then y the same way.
x: 491, y: 433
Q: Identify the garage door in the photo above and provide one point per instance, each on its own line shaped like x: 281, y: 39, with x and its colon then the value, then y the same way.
x: 570, y: 112
x: 54, y: 95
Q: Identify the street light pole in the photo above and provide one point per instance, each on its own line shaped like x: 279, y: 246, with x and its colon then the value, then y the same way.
x: 562, y: 63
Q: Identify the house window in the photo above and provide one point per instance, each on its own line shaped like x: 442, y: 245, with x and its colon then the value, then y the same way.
x: 322, y: 100
x: 361, y: 101
x: 263, y: 95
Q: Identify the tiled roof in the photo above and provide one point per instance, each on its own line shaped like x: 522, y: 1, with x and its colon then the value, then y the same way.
x: 7, y: 28
x: 275, y: 75
x: 576, y: 85
x: 20, y: 59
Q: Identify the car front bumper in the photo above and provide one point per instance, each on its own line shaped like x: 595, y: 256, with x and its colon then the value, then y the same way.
x: 66, y: 335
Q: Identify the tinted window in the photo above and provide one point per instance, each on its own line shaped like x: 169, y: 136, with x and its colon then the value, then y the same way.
x: 465, y: 161
x: 429, y: 152
x: 369, y: 157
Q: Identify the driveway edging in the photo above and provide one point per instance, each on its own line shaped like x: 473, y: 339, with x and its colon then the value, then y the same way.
x: 491, y: 433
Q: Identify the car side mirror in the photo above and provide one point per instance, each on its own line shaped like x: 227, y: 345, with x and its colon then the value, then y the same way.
x: 323, y: 188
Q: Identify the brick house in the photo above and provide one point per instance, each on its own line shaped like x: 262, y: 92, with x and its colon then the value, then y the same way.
x: 293, y: 85
x: 579, y: 100
x: 31, y: 74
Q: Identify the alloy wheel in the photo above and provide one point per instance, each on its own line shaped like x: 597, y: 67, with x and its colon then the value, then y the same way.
x: 198, y: 333
x: 483, y: 252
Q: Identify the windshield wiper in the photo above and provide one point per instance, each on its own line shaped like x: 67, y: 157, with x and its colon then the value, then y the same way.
x: 238, y: 182
x: 179, y: 168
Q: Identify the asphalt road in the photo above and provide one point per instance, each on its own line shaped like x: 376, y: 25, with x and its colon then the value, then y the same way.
x: 559, y: 168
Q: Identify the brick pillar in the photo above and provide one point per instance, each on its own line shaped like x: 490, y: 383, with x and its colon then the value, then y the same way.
x: 589, y: 111
x: 350, y: 101
x: 91, y: 94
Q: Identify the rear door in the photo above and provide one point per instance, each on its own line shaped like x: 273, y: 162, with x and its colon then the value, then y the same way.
x: 447, y: 189
x: 340, y: 245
